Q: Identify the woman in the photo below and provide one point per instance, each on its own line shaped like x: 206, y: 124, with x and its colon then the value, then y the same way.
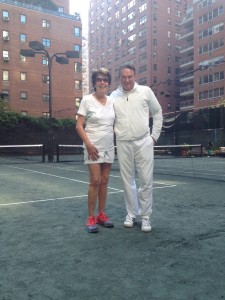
x: 97, y: 115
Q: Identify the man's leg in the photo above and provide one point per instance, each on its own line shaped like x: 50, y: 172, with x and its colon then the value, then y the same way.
x: 127, y: 171
x: 144, y: 159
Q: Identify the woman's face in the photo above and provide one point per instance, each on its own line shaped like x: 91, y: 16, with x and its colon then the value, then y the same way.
x: 101, y: 83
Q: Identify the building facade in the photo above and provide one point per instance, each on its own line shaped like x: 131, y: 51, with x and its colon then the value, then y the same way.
x: 202, y: 50
x: 143, y: 33
x: 176, y: 46
x: 25, y: 80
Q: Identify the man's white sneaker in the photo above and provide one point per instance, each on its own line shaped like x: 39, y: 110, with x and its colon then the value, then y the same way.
x: 145, y: 225
x: 129, y: 222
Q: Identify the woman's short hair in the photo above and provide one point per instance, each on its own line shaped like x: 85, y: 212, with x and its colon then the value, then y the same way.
x: 101, y: 71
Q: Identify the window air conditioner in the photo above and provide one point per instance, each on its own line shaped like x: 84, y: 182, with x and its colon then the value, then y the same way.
x: 5, y: 58
x: 5, y: 38
x: 5, y: 18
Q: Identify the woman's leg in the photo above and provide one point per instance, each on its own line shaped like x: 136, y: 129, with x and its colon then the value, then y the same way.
x: 102, y: 191
x: 102, y: 195
x: 93, y: 190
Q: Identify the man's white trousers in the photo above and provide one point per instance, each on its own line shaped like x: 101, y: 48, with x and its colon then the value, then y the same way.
x: 137, y: 156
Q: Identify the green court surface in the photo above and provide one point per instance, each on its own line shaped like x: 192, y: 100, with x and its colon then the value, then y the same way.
x: 45, y: 252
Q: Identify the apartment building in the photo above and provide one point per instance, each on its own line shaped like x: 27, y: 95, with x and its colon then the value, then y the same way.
x: 202, y: 55
x: 143, y: 33
x: 25, y: 80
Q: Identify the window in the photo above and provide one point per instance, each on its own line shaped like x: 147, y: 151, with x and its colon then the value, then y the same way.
x: 23, y: 76
x: 154, y: 54
x: 117, y: 14
x: 78, y: 85
x: 154, y: 67
x: 5, y: 54
x: 131, y: 15
x: 23, y: 37
x: 177, y: 13
x: 131, y: 50
x: 5, y: 15
x: 23, y: 58
x: 46, y: 42
x: 143, y: 7
x: 77, y: 31
x: 46, y: 24
x: 23, y: 19
x: 131, y: 26
x: 5, y: 75
x: 77, y: 102
x: 5, y: 35
x: 131, y: 4
x: 142, y: 69
x: 77, y: 67
x: 143, y: 20
x: 45, y: 98
x: 77, y: 48
x: 61, y: 9
x: 143, y: 81
x: 142, y: 44
x: 5, y: 96
x: 23, y: 95
x: 23, y: 113
x: 142, y: 32
x: 44, y: 61
x: 45, y: 79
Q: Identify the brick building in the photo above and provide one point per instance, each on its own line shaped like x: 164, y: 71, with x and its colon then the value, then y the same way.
x: 177, y: 47
x: 144, y: 33
x: 202, y: 55
x: 25, y: 80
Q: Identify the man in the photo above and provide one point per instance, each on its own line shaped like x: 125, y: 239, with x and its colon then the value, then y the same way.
x: 135, y: 143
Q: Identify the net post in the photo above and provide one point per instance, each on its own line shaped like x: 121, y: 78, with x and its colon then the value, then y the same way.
x: 57, y: 153
x: 43, y: 153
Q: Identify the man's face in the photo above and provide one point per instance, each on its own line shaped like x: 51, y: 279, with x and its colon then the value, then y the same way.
x: 127, y: 79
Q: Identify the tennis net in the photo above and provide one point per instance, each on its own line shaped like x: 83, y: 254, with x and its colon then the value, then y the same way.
x: 179, y: 160
x: 69, y: 153
x: 22, y: 153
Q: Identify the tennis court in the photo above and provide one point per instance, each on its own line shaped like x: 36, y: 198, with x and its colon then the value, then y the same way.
x: 47, y: 254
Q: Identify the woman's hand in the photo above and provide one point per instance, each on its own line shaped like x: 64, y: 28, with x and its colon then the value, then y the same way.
x: 92, y: 152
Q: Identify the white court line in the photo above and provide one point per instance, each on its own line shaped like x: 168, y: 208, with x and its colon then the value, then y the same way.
x: 81, y: 171
x: 51, y: 199
x: 51, y: 175
x: 66, y: 198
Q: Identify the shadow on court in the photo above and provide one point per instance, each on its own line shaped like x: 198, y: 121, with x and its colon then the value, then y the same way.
x: 47, y: 254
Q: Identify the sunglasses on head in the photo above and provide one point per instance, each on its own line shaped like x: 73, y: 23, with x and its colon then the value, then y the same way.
x: 102, y: 79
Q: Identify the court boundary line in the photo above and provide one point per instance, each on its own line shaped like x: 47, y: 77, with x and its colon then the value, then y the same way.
x: 51, y: 199
x: 71, y: 197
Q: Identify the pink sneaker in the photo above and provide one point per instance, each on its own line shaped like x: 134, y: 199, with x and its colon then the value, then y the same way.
x: 103, y: 220
x: 91, y: 225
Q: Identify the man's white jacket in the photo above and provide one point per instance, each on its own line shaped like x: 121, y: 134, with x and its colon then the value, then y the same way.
x: 133, y: 110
